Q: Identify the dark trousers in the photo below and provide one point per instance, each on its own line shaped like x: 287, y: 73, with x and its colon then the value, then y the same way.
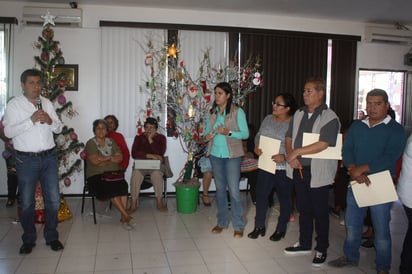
x: 11, y: 180
x: 266, y: 183
x: 406, y: 255
x: 251, y: 180
x: 340, y: 187
x: 312, y: 204
x: 11, y: 185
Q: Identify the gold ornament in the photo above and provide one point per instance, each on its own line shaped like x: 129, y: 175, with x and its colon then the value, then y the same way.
x: 179, y: 75
x: 191, y: 111
x: 179, y: 100
x: 172, y: 51
x: 162, y: 64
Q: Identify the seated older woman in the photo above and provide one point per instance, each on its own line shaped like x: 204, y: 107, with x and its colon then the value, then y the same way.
x: 103, y: 158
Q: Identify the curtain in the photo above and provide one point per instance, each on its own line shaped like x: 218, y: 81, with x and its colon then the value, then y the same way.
x: 6, y: 48
x: 288, y: 59
x: 124, y: 74
x: 287, y: 62
x: 194, y: 44
x: 343, y: 80
x: 407, y: 103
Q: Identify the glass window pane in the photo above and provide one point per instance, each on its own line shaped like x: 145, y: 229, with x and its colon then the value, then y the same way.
x: 390, y: 81
x: 3, y: 86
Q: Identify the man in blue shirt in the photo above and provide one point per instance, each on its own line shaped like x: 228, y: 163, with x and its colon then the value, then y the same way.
x: 371, y: 145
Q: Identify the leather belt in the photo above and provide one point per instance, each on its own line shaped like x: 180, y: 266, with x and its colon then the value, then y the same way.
x: 36, y: 154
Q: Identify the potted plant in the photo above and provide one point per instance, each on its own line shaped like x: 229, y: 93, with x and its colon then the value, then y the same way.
x: 188, y: 102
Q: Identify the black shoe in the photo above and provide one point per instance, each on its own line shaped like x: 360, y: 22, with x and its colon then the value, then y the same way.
x: 55, y: 245
x: 297, y: 249
x: 368, y: 243
x: 276, y: 236
x: 256, y: 232
x: 10, y: 202
x: 26, y: 248
x: 319, y: 259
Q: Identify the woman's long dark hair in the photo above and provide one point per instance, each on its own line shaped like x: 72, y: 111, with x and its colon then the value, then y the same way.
x: 228, y: 90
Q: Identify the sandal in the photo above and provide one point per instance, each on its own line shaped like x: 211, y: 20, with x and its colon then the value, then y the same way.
x: 205, y: 200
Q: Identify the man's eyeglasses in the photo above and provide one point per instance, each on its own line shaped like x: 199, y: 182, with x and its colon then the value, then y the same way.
x: 277, y: 104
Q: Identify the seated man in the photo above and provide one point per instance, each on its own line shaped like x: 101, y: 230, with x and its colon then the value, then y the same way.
x: 149, y: 145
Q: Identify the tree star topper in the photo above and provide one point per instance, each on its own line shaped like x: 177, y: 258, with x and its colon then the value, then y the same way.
x: 48, y: 19
x: 172, y: 51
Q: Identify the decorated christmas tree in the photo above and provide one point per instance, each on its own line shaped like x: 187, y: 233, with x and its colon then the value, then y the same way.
x: 54, y: 85
x: 188, y: 99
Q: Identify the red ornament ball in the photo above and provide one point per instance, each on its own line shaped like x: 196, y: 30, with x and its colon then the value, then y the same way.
x: 83, y: 154
x: 45, y: 56
x: 61, y: 83
x: 61, y: 99
x: 73, y: 136
x: 67, y: 181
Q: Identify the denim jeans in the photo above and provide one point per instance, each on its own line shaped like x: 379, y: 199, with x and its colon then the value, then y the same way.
x: 406, y: 255
x: 30, y: 170
x: 284, y: 189
x: 381, y: 216
x: 226, y: 172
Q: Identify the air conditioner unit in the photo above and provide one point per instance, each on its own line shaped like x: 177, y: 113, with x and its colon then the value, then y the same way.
x: 388, y: 35
x: 63, y: 16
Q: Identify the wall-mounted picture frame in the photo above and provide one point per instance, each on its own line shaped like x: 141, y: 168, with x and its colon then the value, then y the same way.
x: 71, y: 75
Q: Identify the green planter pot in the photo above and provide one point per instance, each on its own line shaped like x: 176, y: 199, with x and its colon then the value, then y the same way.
x: 187, y: 198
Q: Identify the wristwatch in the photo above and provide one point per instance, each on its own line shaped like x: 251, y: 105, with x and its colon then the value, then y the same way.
x: 230, y: 133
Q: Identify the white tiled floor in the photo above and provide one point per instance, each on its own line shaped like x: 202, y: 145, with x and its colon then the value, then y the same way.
x: 172, y: 243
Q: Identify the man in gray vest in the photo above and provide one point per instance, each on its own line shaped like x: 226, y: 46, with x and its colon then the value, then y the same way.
x: 312, y: 177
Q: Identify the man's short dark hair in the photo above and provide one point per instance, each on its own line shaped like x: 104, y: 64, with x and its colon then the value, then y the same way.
x: 30, y: 72
x: 318, y: 82
x: 378, y: 92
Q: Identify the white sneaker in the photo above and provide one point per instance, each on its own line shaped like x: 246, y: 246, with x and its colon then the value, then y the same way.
x: 126, y: 226
x: 132, y: 222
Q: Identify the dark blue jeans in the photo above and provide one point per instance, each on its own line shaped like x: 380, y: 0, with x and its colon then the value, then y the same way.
x: 30, y: 170
x: 266, y: 182
x: 381, y: 217
x: 406, y: 255
x: 312, y: 204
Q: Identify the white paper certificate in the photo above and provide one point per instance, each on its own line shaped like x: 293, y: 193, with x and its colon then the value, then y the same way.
x: 269, y: 147
x: 381, y: 190
x: 333, y: 153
